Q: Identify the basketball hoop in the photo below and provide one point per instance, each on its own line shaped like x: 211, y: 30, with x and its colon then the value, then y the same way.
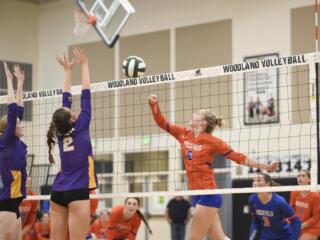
x: 82, y: 22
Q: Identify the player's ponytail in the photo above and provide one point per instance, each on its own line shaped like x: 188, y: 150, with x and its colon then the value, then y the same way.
x: 51, y: 136
x: 140, y: 214
x: 212, y: 120
x: 3, y: 124
x: 144, y: 219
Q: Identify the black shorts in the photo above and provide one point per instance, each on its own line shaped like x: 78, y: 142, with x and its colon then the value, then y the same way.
x: 11, y: 205
x: 66, y: 197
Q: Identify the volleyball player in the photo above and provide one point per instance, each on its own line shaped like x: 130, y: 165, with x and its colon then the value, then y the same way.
x: 28, y: 211
x: 271, y: 213
x: 13, y: 159
x: 99, y: 226
x: 198, y: 147
x: 70, y: 204
x: 124, y: 221
x: 94, y: 202
x: 306, y: 204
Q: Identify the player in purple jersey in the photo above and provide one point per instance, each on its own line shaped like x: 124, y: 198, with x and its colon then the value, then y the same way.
x: 272, y: 217
x: 70, y: 204
x: 13, y: 159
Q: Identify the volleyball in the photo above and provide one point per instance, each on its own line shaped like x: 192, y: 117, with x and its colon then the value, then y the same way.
x: 133, y: 66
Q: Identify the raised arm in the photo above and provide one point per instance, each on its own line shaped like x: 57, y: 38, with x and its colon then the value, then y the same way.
x: 20, y: 77
x: 84, y: 118
x: 7, y: 134
x: 160, y: 120
x: 224, y: 150
x: 10, y: 97
x: 81, y: 58
x: 67, y: 66
x: 271, y: 167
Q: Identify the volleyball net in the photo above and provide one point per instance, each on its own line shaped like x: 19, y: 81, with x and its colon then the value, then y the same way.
x: 268, y: 105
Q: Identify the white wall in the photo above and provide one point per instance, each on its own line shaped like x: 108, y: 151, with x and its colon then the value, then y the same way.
x: 19, y: 35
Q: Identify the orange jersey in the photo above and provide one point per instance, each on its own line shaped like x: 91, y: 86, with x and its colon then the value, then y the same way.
x: 198, y: 152
x: 308, y: 208
x: 28, y: 210
x: 118, y: 227
x: 99, y: 229
x: 42, y: 232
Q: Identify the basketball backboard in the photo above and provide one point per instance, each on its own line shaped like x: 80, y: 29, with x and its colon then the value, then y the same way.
x: 111, y: 16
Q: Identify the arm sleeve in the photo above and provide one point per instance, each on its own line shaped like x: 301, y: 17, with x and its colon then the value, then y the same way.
x: 225, y: 151
x: 255, y: 226
x: 295, y: 220
x: 10, y: 131
x: 66, y: 99
x: 20, y: 111
x: 315, y: 212
x: 171, y: 128
x: 135, y: 228
x: 292, y: 200
x: 111, y: 230
x: 83, y: 121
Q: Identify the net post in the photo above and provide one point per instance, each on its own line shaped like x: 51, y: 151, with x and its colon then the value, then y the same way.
x: 316, y: 25
x: 313, y: 77
x: 317, y: 122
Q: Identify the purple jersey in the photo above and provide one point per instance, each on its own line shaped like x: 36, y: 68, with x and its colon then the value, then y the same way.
x: 77, y: 166
x: 13, y: 158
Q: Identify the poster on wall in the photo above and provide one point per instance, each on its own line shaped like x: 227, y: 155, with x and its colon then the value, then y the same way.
x: 261, y: 94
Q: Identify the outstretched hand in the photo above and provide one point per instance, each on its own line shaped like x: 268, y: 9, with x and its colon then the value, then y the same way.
x: 153, y: 99
x: 79, y: 55
x: 64, y: 62
x: 19, y: 73
x: 7, y: 71
x: 272, y: 167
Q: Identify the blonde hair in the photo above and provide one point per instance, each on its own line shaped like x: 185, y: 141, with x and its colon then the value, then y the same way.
x: 211, y: 119
x: 3, y: 124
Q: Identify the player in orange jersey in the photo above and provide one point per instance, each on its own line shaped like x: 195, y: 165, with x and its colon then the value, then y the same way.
x: 198, y: 146
x: 28, y: 212
x: 99, y: 226
x: 124, y: 221
x: 306, y: 204
x: 42, y: 228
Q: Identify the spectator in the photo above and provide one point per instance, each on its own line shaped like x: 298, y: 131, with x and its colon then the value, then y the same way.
x: 178, y: 214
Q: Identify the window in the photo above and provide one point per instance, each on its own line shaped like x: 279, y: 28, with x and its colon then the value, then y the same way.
x: 146, y: 162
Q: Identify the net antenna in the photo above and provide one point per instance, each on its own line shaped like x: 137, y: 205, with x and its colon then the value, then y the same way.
x: 108, y: 17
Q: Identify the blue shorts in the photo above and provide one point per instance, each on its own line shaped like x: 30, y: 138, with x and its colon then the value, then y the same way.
x: 207, y: 200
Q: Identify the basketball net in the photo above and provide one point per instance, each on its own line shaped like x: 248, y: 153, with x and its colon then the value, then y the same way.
x: 82, y: 22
